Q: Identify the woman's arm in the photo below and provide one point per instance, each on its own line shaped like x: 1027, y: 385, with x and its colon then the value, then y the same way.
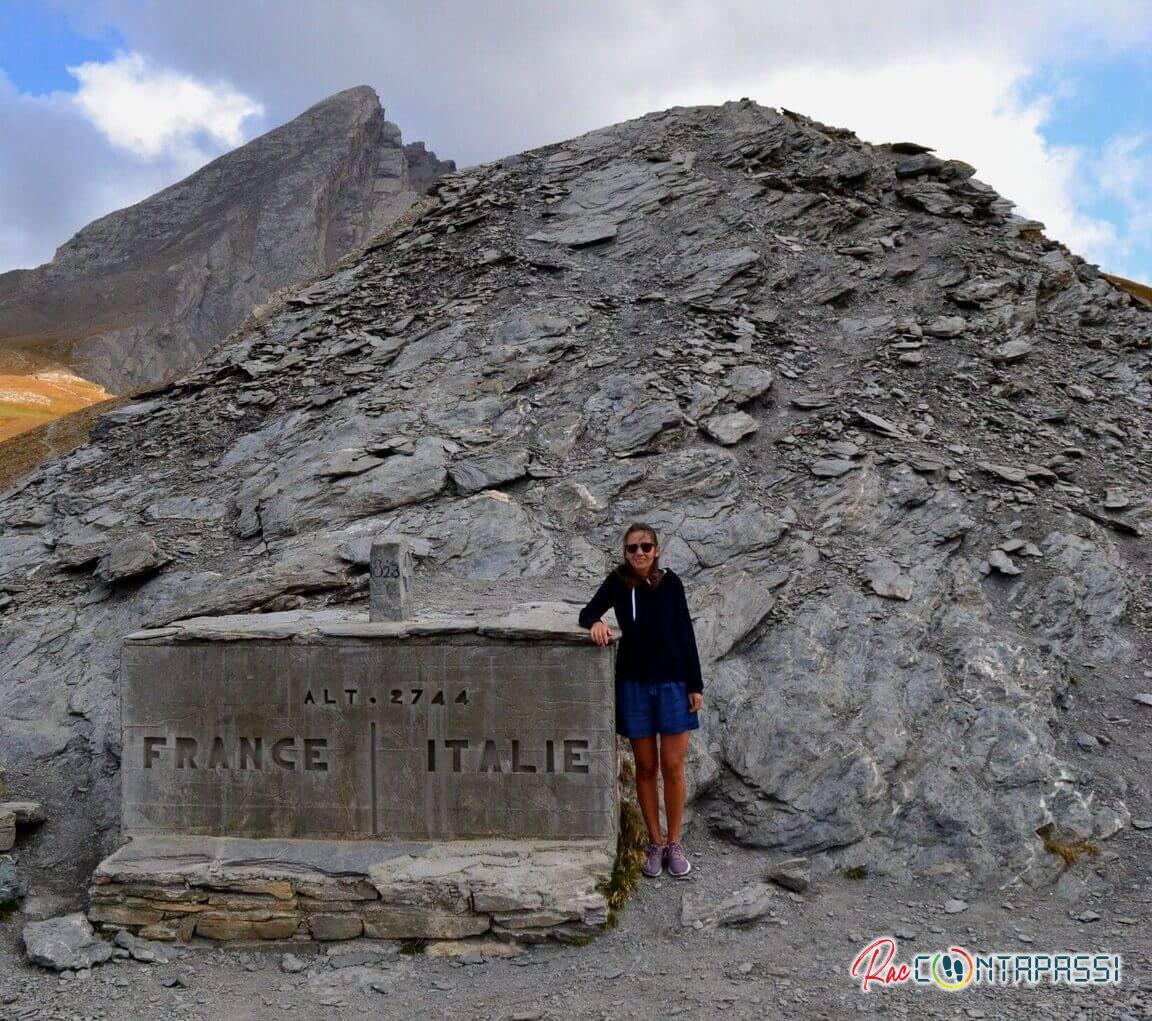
x: 693, y: 675
x: 600, y: 603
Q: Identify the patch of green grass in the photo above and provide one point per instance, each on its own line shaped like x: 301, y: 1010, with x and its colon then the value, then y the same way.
x: 631, y: 845
x: 856, y: 872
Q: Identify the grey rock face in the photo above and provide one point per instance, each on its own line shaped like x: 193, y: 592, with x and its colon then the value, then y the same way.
x: 66, y: 943
x: 915, y: 724
x: 142, y: 293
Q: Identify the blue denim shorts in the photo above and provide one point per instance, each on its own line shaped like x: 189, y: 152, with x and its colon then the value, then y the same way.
x: 648, y: 708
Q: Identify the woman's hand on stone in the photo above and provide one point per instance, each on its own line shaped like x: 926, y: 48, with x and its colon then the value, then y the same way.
x: 695, y: 701
x: 601, y: 633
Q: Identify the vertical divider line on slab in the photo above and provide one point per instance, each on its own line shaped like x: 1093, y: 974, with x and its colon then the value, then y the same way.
x: 375, y: 822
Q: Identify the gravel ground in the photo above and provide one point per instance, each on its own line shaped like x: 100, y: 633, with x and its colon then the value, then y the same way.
x: 794, y: 963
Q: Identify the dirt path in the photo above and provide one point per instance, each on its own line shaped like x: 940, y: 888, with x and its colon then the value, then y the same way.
x: 794, y: 963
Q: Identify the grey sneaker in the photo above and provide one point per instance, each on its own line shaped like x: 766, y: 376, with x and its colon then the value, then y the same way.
x: 678, y: 866
x: 653, y: 861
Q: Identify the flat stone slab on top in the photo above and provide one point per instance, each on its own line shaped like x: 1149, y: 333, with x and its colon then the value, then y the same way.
x: 222, y: 888
x: 555, y: 621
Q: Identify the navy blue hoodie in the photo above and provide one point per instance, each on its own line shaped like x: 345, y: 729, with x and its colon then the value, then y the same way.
x: 657, y: 642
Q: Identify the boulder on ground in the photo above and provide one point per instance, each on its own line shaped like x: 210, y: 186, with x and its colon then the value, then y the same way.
x: 66, y: 943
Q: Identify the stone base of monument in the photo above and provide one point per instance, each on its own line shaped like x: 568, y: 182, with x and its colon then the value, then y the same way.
x: 225, y: 888
x: 316, y: 776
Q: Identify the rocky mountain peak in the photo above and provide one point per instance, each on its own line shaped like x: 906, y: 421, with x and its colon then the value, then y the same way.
x: 161, y: 220
x: 144, y: 291
x: 894, y: 439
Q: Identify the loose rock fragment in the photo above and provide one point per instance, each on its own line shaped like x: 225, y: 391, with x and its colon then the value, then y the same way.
x: 747, y: 382
x: 579, y: 233
x: 1006, y: 472
x: 131, y: 557
x: 745, y: 905
x: 476, y: 473
x: 888, y: 580
x: 65, y: 943
x: 1012, y: 351
x: 1000, y: 561
x: 147, y: 951
x: 832, y: 467
x: 633, y: 434
x: 812, y: 401
x: 730, y: 429
x: 792, y: 874
x: 290, y: 964
x: 946, y: 326
x: 920, y: 164
x: 880, y: 425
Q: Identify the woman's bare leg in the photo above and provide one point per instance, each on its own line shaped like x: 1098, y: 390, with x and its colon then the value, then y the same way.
x: 673, y: 750
x: 647, y: 784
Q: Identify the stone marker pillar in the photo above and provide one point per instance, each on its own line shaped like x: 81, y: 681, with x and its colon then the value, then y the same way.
x: 390, y: 580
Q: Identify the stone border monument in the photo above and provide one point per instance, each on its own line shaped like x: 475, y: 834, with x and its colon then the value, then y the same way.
x: 318, y: 776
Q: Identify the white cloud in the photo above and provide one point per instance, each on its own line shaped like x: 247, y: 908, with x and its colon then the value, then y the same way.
x: 150, y: 110
x: 1124, y: 167
x: 129, y: 131
x: 1122, y: 174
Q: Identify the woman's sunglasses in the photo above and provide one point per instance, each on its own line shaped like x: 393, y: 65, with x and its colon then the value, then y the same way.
x: 637, y: 547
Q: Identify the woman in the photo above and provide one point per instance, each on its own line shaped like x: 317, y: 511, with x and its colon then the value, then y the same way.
x: 659, y: 689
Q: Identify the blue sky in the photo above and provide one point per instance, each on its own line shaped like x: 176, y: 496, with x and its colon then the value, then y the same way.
x: 1048, y: 99
x: 1098, y: 99
x: 38, y: 43
x: 1104, y: 109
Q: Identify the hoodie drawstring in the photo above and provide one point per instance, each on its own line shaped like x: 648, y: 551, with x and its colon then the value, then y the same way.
x: 633, y: 606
